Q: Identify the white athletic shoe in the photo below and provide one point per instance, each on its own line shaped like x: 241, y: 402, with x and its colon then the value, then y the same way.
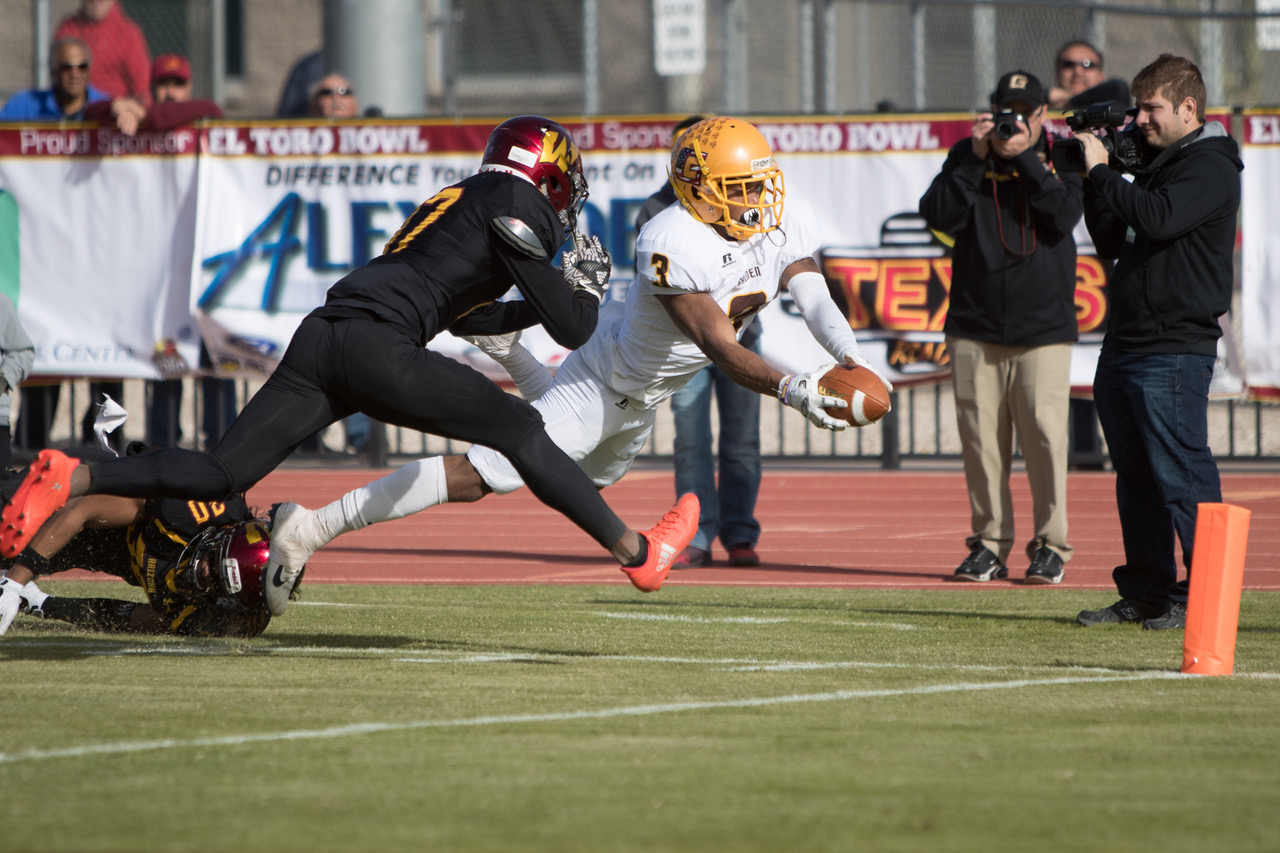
x: 288, y: 556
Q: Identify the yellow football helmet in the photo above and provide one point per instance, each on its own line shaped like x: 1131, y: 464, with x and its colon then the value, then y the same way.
x: 724, y: 164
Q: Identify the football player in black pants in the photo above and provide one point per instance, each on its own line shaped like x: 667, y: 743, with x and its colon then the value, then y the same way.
x: 199, y: 562
x: 363, y: 350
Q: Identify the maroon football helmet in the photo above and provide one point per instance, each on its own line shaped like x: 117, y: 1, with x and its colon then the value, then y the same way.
x: 236, y: 556
x: 545, y: 153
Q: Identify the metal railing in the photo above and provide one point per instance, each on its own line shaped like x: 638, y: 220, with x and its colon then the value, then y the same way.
x: 921, y: 429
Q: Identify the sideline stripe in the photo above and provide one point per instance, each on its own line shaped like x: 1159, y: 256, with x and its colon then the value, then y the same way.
x: 743, y: 620
x: 672, y: 617
x: 123, y: 747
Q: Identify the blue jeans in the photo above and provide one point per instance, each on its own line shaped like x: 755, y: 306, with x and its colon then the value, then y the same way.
x: 1154, y: 411
x: 728, y: 512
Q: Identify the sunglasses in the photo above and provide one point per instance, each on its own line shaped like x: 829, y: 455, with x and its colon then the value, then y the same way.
x: 73, y: 66
x: 340, y: 90
x: 1068, y: 64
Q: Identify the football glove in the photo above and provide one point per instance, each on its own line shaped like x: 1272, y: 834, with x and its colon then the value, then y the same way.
x: 497, y: 347
x: 800, y: 392
x: 862, y: 362
x: 33, y: 599
x: 587, y: 266
x: 10, y: 602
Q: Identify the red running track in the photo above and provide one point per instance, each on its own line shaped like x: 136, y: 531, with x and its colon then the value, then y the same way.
x: 830, y: 528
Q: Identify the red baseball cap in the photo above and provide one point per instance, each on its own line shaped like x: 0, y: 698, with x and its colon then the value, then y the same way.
x: 170, y: 65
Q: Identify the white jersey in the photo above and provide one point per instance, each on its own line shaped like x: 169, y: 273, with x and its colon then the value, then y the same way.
x: 645, y: 356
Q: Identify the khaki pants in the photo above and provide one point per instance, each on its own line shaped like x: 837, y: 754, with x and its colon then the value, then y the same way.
x: 1000, y: 390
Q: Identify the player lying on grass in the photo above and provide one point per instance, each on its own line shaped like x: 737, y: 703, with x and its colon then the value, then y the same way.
x: 706, y: 267
x: 200, y: 564
x: 365, y: 350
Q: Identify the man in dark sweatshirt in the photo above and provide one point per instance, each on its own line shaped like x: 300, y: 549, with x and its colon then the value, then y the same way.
x: 1011, y: 323
x: 1172, y: 231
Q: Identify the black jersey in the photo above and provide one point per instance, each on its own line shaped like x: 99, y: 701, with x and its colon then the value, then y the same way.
x: 155, y: 550
x: 458, y: 253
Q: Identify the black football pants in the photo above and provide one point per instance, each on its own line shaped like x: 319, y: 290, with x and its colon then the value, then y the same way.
x: 334, y: 368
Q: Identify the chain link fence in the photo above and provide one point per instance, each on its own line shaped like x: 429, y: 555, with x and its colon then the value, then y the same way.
x: 596, y: 57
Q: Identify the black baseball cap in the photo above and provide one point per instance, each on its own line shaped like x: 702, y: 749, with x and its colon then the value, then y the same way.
x: 1018, y: 86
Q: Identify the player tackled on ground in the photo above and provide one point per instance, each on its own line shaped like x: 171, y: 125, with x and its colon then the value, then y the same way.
x: 364, y: 351
x: 200, y: 564
x: 707, y: 266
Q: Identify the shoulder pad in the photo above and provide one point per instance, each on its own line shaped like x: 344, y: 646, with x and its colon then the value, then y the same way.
x: 518, y: 233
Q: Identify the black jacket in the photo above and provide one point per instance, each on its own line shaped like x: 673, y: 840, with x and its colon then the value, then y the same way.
x: 1173, y: 231
x: 1013, y: 268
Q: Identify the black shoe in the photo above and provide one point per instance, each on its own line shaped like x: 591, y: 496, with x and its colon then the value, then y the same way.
x: 1174, y: 617
x: 1123, y: 610
x: 981, y: 565
x: 1046, y: 566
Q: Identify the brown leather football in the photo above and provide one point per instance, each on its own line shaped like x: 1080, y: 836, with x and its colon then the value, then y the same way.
x: 863, y: 391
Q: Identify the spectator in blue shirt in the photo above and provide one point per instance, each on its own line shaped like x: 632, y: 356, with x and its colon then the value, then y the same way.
x: 71, y: 93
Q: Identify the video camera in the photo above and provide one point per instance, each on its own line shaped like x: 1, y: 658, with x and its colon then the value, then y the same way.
x: 1124, y: 144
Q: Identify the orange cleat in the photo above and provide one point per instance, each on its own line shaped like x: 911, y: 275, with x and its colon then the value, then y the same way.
x: 43, y: 492
x: 666, y: 540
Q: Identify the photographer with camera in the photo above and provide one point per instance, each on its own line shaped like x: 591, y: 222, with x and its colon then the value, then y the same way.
x: 1011, y: 323
x: 1173, y: 234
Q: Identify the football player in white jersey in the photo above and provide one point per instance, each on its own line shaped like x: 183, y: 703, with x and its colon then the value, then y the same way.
x: 706, y: 266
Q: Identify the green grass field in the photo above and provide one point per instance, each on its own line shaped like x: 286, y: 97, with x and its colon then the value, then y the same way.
x: 560, y: 718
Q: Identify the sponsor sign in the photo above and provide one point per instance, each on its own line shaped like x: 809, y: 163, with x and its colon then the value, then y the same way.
x: 238, y: 229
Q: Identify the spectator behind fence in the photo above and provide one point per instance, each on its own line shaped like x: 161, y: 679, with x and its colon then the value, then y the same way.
x: 1172, y: 232
x: 171, y: 102
x: 728, y: 512
x: 17, y: 355
x: 333, y: 96
x: 69, y: 63
x: 1011, y: 323
x: 173, y: 106
x: 295, y: 97
x: 117, y: 44
x: 1081, y: 79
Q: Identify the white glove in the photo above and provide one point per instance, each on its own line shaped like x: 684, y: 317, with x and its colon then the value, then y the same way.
x: 587, y: 265
x: 800, y: 392
x: 862, y: 362
x: 10, y: 602
x: 497, y: 347
x: 33, y: 599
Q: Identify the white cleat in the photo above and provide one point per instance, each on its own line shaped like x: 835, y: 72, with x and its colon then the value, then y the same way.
x: 288, y: 556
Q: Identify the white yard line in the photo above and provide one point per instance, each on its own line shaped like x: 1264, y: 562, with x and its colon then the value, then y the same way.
x: 746, y: 620
x: 123, y: 747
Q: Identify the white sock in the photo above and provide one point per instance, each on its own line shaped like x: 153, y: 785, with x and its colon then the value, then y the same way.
x: 409, y: 489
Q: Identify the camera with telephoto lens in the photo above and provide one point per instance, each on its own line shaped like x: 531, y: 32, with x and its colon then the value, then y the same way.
x: 1124, y: 145
x: 1007, y: 123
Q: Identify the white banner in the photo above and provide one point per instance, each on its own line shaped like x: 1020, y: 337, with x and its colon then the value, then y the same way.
x: 1260, y: 253
x: 104, y: 230
x: 118, y: 253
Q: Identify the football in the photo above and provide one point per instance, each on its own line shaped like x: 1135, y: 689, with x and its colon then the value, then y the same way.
x: 863, y: 391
